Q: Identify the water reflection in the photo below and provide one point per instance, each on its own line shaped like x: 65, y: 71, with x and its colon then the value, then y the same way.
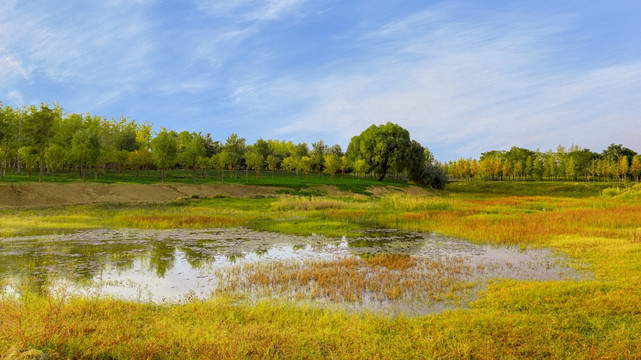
x: 167, y: 265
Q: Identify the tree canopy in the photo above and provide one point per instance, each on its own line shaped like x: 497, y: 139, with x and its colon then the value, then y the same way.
x: 382, y: 147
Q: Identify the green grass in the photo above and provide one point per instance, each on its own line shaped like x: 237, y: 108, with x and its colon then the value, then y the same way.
x: 297, y: 184
x: 595, y: 318
x: 529, y: 188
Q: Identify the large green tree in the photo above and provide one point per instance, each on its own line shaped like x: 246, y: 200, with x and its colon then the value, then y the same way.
x: 382, y: 147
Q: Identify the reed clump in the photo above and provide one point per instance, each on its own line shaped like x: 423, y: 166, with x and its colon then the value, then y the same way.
x: 351, y: 279
x: 179, y: 221
x: 415, y: 203
x: 307, y: 204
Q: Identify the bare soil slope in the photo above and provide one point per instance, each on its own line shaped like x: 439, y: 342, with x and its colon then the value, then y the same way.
x: 46, y: 194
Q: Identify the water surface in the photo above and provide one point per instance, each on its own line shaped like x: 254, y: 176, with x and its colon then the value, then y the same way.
x: 175, y: 265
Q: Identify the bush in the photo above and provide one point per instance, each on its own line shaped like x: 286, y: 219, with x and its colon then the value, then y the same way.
x: 430, y: 175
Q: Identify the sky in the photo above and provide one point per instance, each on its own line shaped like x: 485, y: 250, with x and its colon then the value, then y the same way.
x: 463, y: 77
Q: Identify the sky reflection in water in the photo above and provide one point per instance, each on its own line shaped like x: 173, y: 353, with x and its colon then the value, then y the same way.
x: 172, y: 265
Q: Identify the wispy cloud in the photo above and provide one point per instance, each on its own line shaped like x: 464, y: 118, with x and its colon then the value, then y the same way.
x: 251, y: 10
x: 11, y: 68
x: 462, y: 80
x: 103, y: 45
x: 464, y: 87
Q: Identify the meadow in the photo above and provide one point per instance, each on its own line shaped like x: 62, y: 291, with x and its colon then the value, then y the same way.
x: 597, y: 225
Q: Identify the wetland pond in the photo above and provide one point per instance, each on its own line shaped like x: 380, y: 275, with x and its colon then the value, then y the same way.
x: 384, y: 271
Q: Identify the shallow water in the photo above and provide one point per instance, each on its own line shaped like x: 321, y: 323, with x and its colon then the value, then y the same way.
x: 176, y: 265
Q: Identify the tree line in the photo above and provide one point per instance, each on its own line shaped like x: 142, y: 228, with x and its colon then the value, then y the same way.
x: 616, y: 162
x: 44, y: 139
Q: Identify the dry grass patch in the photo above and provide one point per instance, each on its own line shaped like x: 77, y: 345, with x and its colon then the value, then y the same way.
x: 524, y: 228
x: 352, y: 279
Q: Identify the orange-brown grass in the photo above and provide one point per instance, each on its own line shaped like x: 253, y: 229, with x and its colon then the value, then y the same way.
x: 392, y: 261
x: 532, y: 228
x: 352, y: 279
x: 178, y: 221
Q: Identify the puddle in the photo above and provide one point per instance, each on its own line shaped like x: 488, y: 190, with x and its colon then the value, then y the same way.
x: 386, y: 271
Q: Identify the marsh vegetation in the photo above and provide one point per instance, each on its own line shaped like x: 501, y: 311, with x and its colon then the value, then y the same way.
x: 342, y: 285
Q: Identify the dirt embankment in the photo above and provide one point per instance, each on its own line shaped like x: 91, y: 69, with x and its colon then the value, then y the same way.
x: 47, y: 194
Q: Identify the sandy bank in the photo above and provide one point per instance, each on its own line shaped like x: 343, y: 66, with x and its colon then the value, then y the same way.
x: 47, y: 194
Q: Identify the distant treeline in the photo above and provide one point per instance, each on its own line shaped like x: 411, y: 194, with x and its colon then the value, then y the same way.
x: 614, y: 163
x: 45, y: 139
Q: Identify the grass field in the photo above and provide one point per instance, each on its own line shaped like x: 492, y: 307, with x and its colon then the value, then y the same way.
x: 283, y: 179
x: 595, y: 318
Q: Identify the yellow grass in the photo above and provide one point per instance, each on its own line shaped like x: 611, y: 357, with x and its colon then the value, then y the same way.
x: 595, y: 318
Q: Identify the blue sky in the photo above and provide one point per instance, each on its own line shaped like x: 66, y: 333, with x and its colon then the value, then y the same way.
x: 462, y: 76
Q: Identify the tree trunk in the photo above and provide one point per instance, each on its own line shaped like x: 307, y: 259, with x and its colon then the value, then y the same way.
x: 42, y: 167
x: 82, y: 171
x: 193, y: 173
x: 162, y: 175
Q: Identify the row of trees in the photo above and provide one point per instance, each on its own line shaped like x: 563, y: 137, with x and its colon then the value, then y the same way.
x: 47, y: 139
x: 575, y: 163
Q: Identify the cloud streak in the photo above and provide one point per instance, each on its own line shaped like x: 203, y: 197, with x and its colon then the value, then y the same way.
x: 462, y: 87
x: 462, y: 80
x: 251, y: 10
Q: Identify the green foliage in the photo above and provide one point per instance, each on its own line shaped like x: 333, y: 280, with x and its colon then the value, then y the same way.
x: 332, y: 164
x: 595, y: 317
x: 290, y: 164
x: 38, y: 129
x: 164, y: 148
x: 235, y: 148
x: 306, y: 164
x: 360, y: 167
x: 319, y: 149
x: 4, y: 161
x: 273, y: 162
x: 193, y: 151
x: 635, y: 168
x: 124, y: 144
x: 85, y: 149
x: 254, y: 160
x: 382, y: 148
x: 29, y: 157
x: 55, y: 155
x: 422, y: 170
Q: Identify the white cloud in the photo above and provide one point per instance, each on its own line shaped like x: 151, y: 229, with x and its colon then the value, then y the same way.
x: 16, y: 97
x: 11, y: 69
x: 463, y: 85
x: 102, y: 45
